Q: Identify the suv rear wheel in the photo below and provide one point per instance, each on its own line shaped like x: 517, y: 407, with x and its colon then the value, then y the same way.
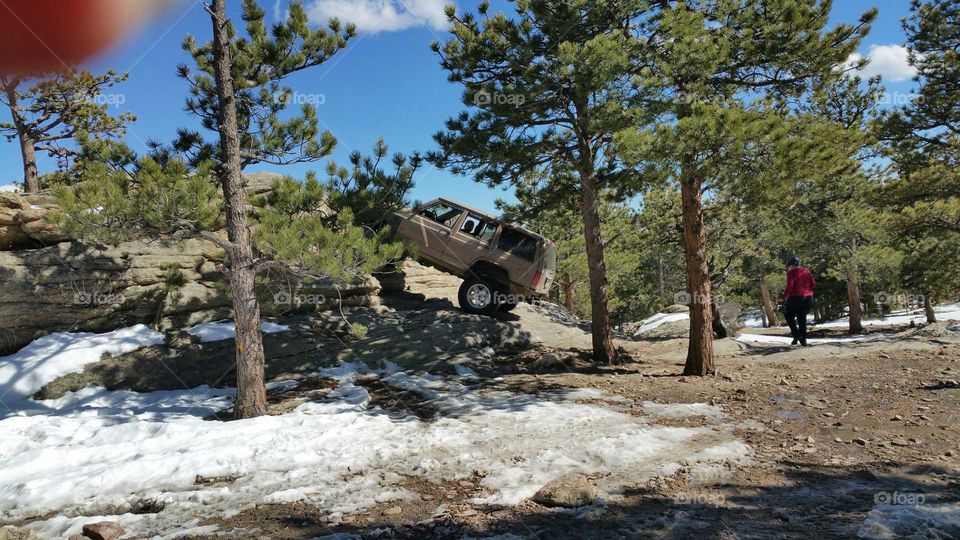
x: 478, y: 295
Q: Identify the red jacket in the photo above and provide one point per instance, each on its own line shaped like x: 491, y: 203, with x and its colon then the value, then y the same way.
x: 800, y: 282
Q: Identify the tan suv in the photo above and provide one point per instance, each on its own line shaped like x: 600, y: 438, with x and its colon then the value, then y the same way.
x: 501, y: 264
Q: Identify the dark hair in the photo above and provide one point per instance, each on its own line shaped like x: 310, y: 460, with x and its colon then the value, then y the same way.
x: 793, y: 261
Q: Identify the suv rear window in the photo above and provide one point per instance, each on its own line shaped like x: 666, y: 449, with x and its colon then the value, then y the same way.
x: 516, y: 243
x: 442, y: 213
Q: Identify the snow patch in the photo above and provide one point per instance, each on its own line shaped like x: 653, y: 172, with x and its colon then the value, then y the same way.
x: 659, y: 319
x: 887, y: 521
x: 99, y: 452
x: 221, y: 330
x: 786, y: 340
x: 947, y: 312
x: 25, y: 372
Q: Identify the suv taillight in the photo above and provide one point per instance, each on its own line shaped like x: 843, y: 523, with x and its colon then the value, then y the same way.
x: 536, y: 280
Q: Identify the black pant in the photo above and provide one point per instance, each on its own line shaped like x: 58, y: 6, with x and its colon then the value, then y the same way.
x: 797, y: 309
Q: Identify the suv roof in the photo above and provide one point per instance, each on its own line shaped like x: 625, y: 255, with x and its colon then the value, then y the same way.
x: 486, y: 215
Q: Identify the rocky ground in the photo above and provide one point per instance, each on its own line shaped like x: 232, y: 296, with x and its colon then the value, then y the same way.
x: 842, y: 435
x: 835, y: 430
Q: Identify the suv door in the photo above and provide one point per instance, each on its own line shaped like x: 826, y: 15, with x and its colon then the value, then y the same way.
x: 470, y: 241
x: 431, y: 227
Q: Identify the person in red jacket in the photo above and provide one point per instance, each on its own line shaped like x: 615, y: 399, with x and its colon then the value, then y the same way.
x: 799, y: 299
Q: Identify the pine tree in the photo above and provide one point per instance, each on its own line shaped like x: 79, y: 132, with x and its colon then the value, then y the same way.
x: 50, y: 111
x: 371, y: 192
x: 712, y: 63
x: 854, y: 228
x: 923, y: 140
x: 547, y: 89
x: 236, y: 91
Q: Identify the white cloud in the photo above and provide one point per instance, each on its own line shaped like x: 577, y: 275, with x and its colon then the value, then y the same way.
x: 278, y: 15
x: 381, y: 15
x: 888, y: 61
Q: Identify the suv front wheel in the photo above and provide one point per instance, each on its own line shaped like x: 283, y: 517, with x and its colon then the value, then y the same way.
x: 477, y: 296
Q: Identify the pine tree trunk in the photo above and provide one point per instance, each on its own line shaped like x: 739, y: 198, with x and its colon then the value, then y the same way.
x: 251, y: 386
x: 769, y: 311
x: 853, y: 300
x: 568, y: 292
x: 700, y: 359
x: 928, y: 309
x: 719, y: 330
x: 660, y: 282
x: 763, y: 319
x: 603, y: 350
x: 31, y: 177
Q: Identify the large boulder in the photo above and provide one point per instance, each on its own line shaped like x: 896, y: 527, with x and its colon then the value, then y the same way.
x: 674, y: 322
x: 51, y: 283
x: 414, y: 277
x: 77, y: 286
x: 23, y: 222
x: 569, y: 491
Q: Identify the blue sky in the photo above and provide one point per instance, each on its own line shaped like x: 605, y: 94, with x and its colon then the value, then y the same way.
x: 386, y: 84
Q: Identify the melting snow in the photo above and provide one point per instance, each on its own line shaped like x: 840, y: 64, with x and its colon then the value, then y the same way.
x: 659, y: 319
x: 764, y: 338
x: 221, y: 330
x: 101, y: 453
x: 25, y: 372
x: 948, y: 312
x: 926, y: 520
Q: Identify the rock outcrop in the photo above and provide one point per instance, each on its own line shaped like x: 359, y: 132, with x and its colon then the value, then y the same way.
x: 23, y: 222
x: 51, y: 283
x: 416, y: 278
x: 88, y: 287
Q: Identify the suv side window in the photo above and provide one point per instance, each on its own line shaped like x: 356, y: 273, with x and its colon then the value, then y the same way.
x: 442, y: 213
x: 478, y: 227
x: 516, y: 243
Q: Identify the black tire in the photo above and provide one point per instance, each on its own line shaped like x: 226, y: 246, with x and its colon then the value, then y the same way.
x: 478, y: 295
